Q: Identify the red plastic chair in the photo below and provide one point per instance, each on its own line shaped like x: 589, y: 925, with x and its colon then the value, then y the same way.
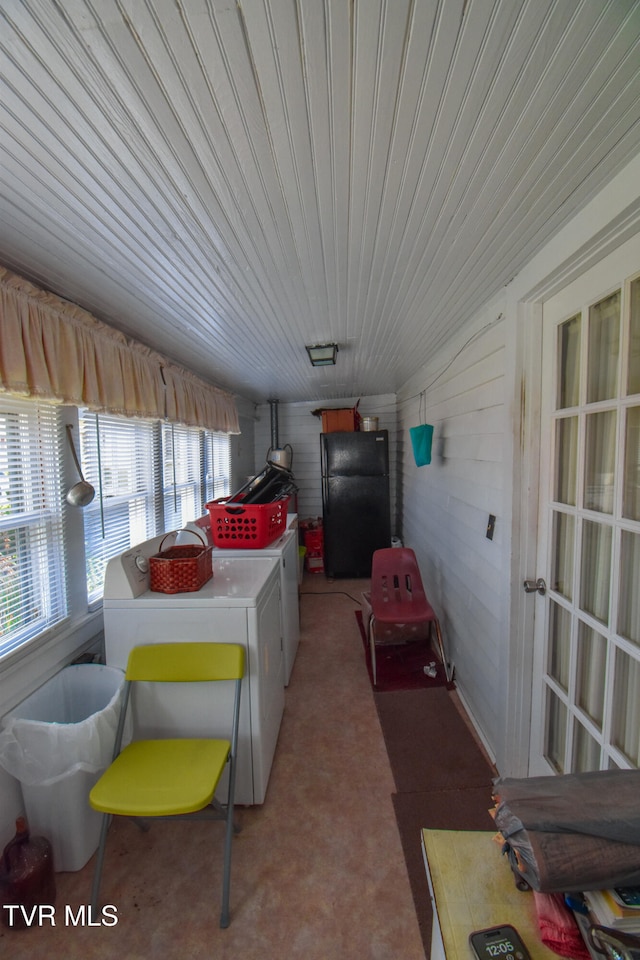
x: 399, y: 605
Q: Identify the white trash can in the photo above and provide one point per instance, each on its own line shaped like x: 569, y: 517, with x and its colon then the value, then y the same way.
x: 57, y: 743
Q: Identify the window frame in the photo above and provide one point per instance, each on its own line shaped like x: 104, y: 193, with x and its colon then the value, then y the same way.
x: 69, y: 567
x: 119, y: 456
x: 30, y: 462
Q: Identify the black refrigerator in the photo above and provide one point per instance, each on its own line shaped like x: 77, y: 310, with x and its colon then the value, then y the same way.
x: 355, y: 500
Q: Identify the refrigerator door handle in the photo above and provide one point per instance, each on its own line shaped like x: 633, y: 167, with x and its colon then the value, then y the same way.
x: 325, y: 494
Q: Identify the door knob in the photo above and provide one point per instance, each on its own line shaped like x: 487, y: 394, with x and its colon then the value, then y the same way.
x: 530, y: 586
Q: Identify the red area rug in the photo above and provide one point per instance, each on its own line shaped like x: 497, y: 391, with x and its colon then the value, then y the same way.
x: 402, y: 667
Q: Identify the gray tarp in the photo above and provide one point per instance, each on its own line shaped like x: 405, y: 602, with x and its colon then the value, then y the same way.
x: 572, y: 832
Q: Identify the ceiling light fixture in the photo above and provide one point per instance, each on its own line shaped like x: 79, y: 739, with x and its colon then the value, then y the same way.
x: 322, y: 355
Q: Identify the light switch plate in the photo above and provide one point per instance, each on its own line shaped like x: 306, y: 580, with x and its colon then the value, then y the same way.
x: 491, y: 525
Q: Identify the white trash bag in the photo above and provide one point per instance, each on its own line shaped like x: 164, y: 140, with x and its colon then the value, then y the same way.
x: 57, y: 743
x: 68, y: 724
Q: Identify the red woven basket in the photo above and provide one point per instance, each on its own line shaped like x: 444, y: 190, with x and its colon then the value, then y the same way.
x: 181, y: 568
x: 251, y: 526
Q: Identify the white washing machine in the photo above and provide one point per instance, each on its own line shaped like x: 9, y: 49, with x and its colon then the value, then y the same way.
x: 285, y: 550
x: 240, y: 604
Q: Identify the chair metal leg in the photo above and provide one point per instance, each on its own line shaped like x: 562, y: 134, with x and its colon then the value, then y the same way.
x: 143, y: 825
x: 221, y: 811
x: 226, y: 871
x: 372, y: 648
x: 97, y: 873
x: 229, y: 830
x: 448, y: 670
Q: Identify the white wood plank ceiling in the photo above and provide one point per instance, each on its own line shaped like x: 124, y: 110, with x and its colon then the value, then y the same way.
x: 229, y: 181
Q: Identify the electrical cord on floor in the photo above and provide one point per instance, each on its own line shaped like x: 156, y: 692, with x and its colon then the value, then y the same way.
x: 323, y: 593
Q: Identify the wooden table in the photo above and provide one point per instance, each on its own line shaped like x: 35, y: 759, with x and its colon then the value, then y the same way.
x: 472, y: 887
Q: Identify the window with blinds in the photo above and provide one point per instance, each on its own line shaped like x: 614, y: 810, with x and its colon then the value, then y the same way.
x: 32, y: 556
x: 182, y: 474
x: 149, y: 477
x: 195, y: 470
x: 217, y: 479
x: 120, y: 457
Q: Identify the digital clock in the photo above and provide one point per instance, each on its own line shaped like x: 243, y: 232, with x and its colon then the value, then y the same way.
x: 498, y: 943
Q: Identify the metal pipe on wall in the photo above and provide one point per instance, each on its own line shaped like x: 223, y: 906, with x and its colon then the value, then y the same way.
x: 274, y: 423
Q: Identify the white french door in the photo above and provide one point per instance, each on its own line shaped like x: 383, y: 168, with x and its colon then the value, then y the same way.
x: 586, y: 695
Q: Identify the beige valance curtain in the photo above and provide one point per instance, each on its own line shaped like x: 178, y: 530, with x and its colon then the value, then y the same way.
x: 52, y: 349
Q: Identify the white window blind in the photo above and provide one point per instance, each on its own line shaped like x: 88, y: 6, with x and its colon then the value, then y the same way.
x: 217, y: 466
x: 148, y: 476
x: 121, y: 460
x: 195, y: 469
x: 32, y: 557
x: 182, y: 473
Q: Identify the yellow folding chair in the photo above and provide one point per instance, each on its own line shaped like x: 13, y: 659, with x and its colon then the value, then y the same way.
x: 173, y: 778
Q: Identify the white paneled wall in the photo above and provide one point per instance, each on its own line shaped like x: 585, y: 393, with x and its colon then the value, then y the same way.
x: 298, y: 427
x: 447, y: 505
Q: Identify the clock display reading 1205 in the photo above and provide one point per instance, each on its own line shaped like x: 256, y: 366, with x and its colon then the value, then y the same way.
x: 498, y: 943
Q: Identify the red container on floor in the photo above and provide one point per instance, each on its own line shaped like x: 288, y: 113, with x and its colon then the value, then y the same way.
x: 26, y: 876
x: 314, y: 542
x: 251, y: 526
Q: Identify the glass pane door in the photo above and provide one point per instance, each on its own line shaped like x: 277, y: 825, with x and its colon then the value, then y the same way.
x: 589, y: 662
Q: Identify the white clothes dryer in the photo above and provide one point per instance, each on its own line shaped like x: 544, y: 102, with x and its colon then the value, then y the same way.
x: 285, y: 550
x: 240, y: 604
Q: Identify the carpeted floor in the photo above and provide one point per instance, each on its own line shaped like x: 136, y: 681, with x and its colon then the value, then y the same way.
x: 430, y: 746
x: 442, y: 777
x: 402, y: 667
